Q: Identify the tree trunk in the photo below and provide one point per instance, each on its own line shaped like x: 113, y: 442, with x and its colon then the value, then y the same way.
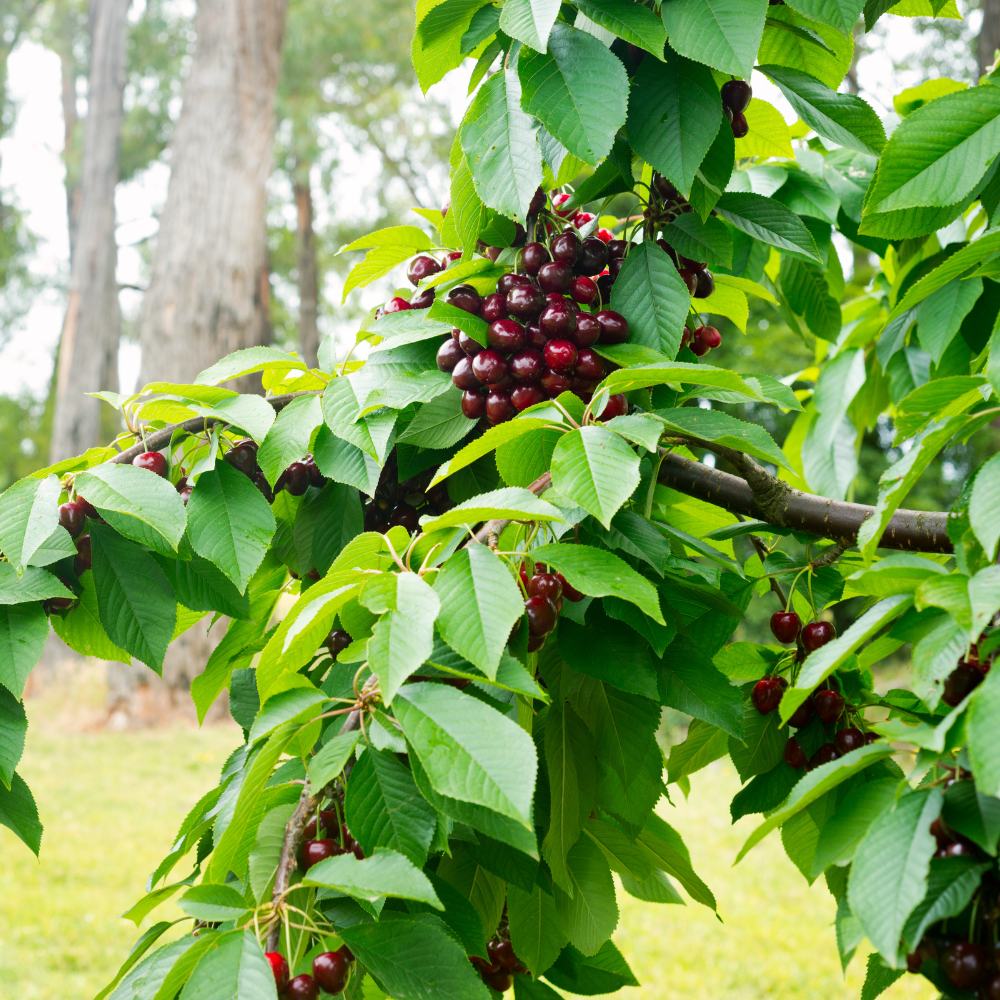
x: 88, y: 349
x: 209, y: 284
x: 68, y: 68
x: 989, y: 35
x: 308, y: 274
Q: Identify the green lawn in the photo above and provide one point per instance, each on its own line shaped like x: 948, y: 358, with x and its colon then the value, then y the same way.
x: 112, y: 802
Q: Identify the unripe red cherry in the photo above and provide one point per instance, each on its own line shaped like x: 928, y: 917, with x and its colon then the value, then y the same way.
x: 72, y: 517
x: 785, y: 626
x: 499, y: 407
x: 584, y: 290
x: 828, y: 704
x: 965, y: 964
x: 449, y: 354
x: 302, y: 987
x: 560, y: 356
x: 422, y: 267
x: 526, y: 365
x: 554, y: 383
x: 589, y: 365
x: 489, y: 367
x: 587, y: 332
x: 542, y: 616
x: 847, y: 740
x: 766, y: 694
x: 464, y: 297
x: 736, y: 95
x: 525, y: 301
x: 614, y: 327
x: 616, y: 406
x: 463, y: 376
x: 739, y: 125
x: 606, y: 235
x: 593, y: 256
x: 533, y: 256
x: 396, y: 304
x: 582, y: 218
x: 523, y: 396
x: 153, y: 461
x: 555, y: 277
x: 817, y: 634
x: 494, y: 307
x: 794, y: 754
x: 332, y: 970
x: 279, y: 966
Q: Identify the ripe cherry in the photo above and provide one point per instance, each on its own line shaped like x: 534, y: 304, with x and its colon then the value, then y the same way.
x: 584, y: 290
x: 279, y: 966
x: 614, y: 327
x: 314, y: 851
x: 422, y: 267
x: 533, y: 256
x: 464, y: 297
x: 554, y: 383
x: 914, y: 961
x: 449, y: 354
x: 690, y: 278
x: 848, y: 740
x: 785, y: 626
x: 736, y: 95
x: 545, y: 585
x: 541, y: 614
x: 332, y: 970
x: 739, y: 126
x: 534, y: 336
x: 794, y: 754
x: 870, y: 738
x: 316, y: 477
x: 614, y: 268
x: 558, y: 200
x: 965, y: 964
x: 295, y: 479
x: 506, y: 335
x: 582, y: 218
x: 489, y: 367
x: 666, y: 190
x: 826, y: 753
x: 802, y: 715
x: 593, y: 256
x: 327, y: 819
x: 356, y: 849
x: 404, y: 516
x: 469, y: 345
x: 504, y: 953
x: 523, y: 396
x: 961, y: 682
x: 555, y: 277
x: 463, y: 376
x: 587, y: 332
x: 72, y: 517
x: 396, y: 304
x: 766, y: 694
x: 526, y: 301
x: 337, y: 641
x: 474, y: 404
x: 560, y: 356
x: 242, y: 457
x: 606, y: 235
x: 617, y: 249
x: 423, y: 300
x: 710, y: 337
x: 589, y: 365
x: 616, y: 406
x: 566, y: 248
x: 83, y: 560
x: 704, y: 285
x: 828, y: 704
x: 499, y: 407
x: 526, y: 365
x: 494, y: 307
x: 537, y: 202
x: 558, y: 319
x: 817, y: 634
x: 302, y: 987
x: 500, y: 981
x: 508, y: 281
x: 698, y: 346
x: 260, y: 481
x: 153, y: 461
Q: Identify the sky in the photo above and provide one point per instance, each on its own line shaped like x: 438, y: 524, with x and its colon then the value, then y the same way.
x: 31, y: 169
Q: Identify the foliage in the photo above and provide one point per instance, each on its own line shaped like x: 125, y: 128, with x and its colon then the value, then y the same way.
x: 515, y: 600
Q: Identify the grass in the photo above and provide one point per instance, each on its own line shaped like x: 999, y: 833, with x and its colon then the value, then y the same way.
x: 111, y: 802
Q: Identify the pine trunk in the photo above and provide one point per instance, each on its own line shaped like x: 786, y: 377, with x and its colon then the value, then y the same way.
x: 209, y: 285
x: 88, y: 349
x: 308, y: 274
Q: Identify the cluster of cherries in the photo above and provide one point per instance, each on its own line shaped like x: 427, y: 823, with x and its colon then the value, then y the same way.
x: 736, y: 96
x: 826, y: 702
x: 498, y: 968
x: 403, y: 504
x: 297, y: 478
x: 331, y: 972
x: 545, y: 592
x: 317, y: 846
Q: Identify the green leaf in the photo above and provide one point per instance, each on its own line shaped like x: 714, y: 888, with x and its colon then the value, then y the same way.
x: 134, y: 598
x: 329, y: 762
x: 845, y: 829
x: 770, y: 222
x: 653, y: 296
x: 889, y: 875
x: 511, y: 502
x: 601, y: 574
x: 534, y: 927
x: 230, y: 522
x: 984, y: 752
x: 589, y: 915
x: 410, y: 237
x: 666, y: 850
x: 762, y: 744
x: 483, y: 445
x: 341, y: 410
x: 266, y: 853
x: 439, y: 423
x: 605, y: 972
x: 480, y: 604
x: 19, y: 813
x: 462, y: 223
x: 469, y: 751
x: 951, y: 883
x: 983, y: 505
x: 346, y: 463
x: 842, y: 118
x: 233, y: 966
x: 708, y: 241
x: 639, y: 428
x: 298, y: 704
x: 139, y: 493
x: 327, y: 520
x: 501, y: 144
x: 212, y: 902
x: 703, y: 744
x: 198, y: 585
x: 797, y: 42
x: 623, y: 855
x: 24, y: 629
x: 139, y: 949
x: 288, y: 439
x: 940, y: 315
x: 974, y: 815
x: 246, y: 362
x: 578, y: 90
x: 674, y: 112
x: 595, y: 468
x: 635, y: 24
x: 29, y: 513
x: 414, y: 960
x: 839, y: 14
x: 476, y: 883
x: 386, y: 873
x: 690, y: 683
x: 663, y: 373
x: 724, y: 34
x: 529, y: 21
x: 719, y: 427
x: 13, y: 729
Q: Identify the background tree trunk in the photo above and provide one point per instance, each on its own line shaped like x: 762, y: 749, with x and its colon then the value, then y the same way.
x: 88, y: 349
x: 208, y: 289
x: 308, y: 274
x: 989, y: 35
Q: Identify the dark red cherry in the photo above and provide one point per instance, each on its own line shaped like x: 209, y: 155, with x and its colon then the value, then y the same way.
x: 584, y: 290
x: 965, y: 964
x: 474, y: 404
x: 958, y: 849
x: 617, y: 249
x: 463, y: 376
x: 964, y: 679
x: 554, y: 383
x: 469, y: 346
x: 766, y: 694
x: 666, y: 190
x: 526, y: 365
x: 534, y: 336
x: 331, y: 970
x: 704, y: 285
x: 537, y: 202
x: 589, y: 365
x: 499, y: 407
x: 914, y: 961
x: 83, y: 560
x: 541, y: 614
x: 690, y: 277
x: 710, y: 337
x: 242, y: 457
x: 870, y: 738
x: 558, y: 319
x: 422, y: 267
x: 489, y: 367
x: 495, y: 307
x: 57, y: 604
x: 396, y: 304
x: 848, y: 740
x: 802, y: 715
x: 823, y: 755
x: 739, y: 125
x: 604, y: 287
x: 508, y: 281
x: 736, y: 95
x: 698, y: 346
x: 500, y: 981
x: 570, y: 593
x: 545, y: 585
x: 794, y: 754
x: 566, y: 248
x: 505, y: 955
x: 560, y: 356
x: 616, y: 406
x: 337, y: 641
x: 464, y: 297
x: 153, y: 461
x: 828, y: 704
x: 558, y: 299
x: 302, y: 987
x: 785, y: 626
x: 525, y: 301
x: 423, y: 300
x: 279, y: 966
x: 524, y: 396
x: 449, y: 354
x: 295, y: 479
x: 587, y: 332
x: 614, y: 268
x: 506, y: 336
x: 327, y: 820
x: 555, y: 277
x: 614, y: 327
x: 404, y: 516
x: 533, y: 256
x: 817, y: 634
x: 72, y: 517
x: 316, y: 478
x: 260, y: 481
x: 313, y: 852
x: 593, y: 256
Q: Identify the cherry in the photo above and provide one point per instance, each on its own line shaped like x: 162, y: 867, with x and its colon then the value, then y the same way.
x: 802, y: 715
x: 694, y: 265
x: 463, y: 376
x: 499, y: 407
x: 314, y: 851
x: 504, y: 953
x: 614, y: 268
x: 279, y: 966
x: 542, y: 615
x: 295, y: 479
x: 785, y: 626
x: 526, y: 395
x: 327, y: 819
x: 871, y: 738
x: 535, y: 643
x: 533, y: 256
x: 508, y: 281
x: 473, y: 404
x: 242, y: 457
x: 560, y: 356
x: 500, y: 981
x: 405, y: 516
x: 72, y: 517
x: 185, y: 493
x: 464, y: 297
x: 83, y: 559
x: 58, y: 604
x: 690, y: 277
x: 260, y: 481
x: 665, y: 189
x: 558, y: 319
x: 570, y: 593
x: 958, y: 849
x: 332, y: 970
x: 593, y: 256
x: 526, y: 365
x: 316, y: 478
x: 766, y: 694
x: 964, y: 679
x: 582, y: 218
x: 990, y: 990
x: 534, y: 336
x: 302, y: 987
x: 616, y: 406
x: 710, y: 337
x: 698, y: 346
x: 537, y: 202
x: 604, y: 286
x: 469, y: 346
x: 489, y: 367
x: 914, y: 960
x: 617, y: 249
x: 506, y: 335
x: 337, y: 641
x: 686, y: 337
x: 848, y: 740
x: 558, y: 200
x: 739, y: 125
x: 545, y: 585
x: 567, y: 248
x: 828, y: 704
x: 817, y: 634
x: 495, y: 307
x: 794, y: 754
x: 153, y: 461
x: 584, y: 289
x: 614, y: 327
x: 587, y: 332
x: 605, y: 234
x: 423, y: 300
x: 525, y: 301
x: 422, y: 267
x: 589, y: 366
x: 554, y: 383
x: 396, y: 304
x: 965, y: 964
x: 823, y: 755
x: 704, y: 285
x: 555, y: 277
x: 736, y: 95
x: 356, y: 849
x: 449, y: 354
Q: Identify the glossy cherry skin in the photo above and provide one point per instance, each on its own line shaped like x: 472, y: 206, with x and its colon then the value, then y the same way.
x: 302, y: 987
x: 316, y: 477
x: 847, y: 740
x: 82, y: 561
x: 422, y: 267
x: 558, y: 319
x: 785, y: 626
x: 556, y: 276
x: 965, y: 964
x: 698, y: 346
x: 545, y: 585
x: 314, y: 851
x: 826, y: 753
x: 802, y: 715
x: 736, y: 95
x: 614, y: 268
x: 463, y: 376
x: 560, y: 356
x: 537, y: 202
x: 617, y: 249
x: 828, y: 705
x: 423, y: 300
x: 526, y: 365
x: 614, y: 327
x: 616, y: 406
x: 332, y: 970
x: 295, y: 479
x: 558, y: 200
x: 589, y: 365
x: 279, y: 966
x: 704, y: 285
x: 242, y: 457
x: 794, y: 754
x: 817, y: 634
x: 541, y: 614
x: 964, y: 679
x: 710, y: 337
x: 554, y: 383
x: 587, y: 332
x: 508, y: 281
x: 495, y: 307
x: 489, y: 367
x: 327, y: 819
x: 396, y: 304
x: 525, y: 301
x: 582, y: 218
x: 449, y: 354
x: 766, y: 694
x: 523, y: 396
x: 500, y: 981
x: 593, y: 256
x: 690, y: 278
x: 72, y: 517
x: 499, y: 408
x: 739, y: 126
x: 533, y: 256
x: 584, y: 290
x: 464, y: 297
x: 506, y: 336
x: 534, y: 336
x: 566, y: 248
x: 469, y: 346
x: 153, y: 461
x: 504, y: 953
x: 605, y: 234
x: 474, y: 404
x: 870, y: 738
